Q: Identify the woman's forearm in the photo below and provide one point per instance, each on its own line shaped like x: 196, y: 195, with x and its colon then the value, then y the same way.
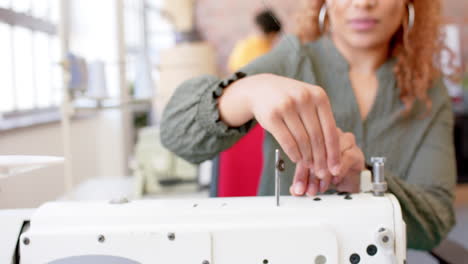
x: 234, y: 104
x: 189, y: 126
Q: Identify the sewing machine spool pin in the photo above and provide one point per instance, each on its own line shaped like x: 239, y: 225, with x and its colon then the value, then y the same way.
x: 379, y: 185
x: 279, y: 169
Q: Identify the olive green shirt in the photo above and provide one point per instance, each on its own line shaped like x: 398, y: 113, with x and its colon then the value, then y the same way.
x: 420, y: 168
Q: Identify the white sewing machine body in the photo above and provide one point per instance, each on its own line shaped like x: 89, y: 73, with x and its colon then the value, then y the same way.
x: 334, y: 229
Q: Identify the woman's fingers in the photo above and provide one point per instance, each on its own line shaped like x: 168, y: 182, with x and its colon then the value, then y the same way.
x: 330, y: 133
x: 313, y: 186
x: 297, y: 129
x: 346, y: 164
x: 295, y: 123
x: 325, y: 183
x: 312, y: 125
x: 282, y: 134
x: 316, y: 113
x: 347, y: 143
x: 302, y: 122
x: 351, y: 183
x: 300, y: 181
x: 306, y: 180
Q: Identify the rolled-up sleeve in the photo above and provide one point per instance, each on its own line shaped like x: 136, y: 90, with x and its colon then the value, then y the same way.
x: 190, y: 125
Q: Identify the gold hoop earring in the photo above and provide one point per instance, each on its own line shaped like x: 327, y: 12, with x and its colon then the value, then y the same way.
x: 411, y: 15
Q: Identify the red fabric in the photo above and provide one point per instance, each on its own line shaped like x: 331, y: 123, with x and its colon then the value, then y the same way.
x: 240, y: 166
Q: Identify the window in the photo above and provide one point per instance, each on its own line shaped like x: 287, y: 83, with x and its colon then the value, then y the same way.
x: 22, y: 54
x: 29, y: 52
x: 6, y: 78
x: 4, y: 3
x: 149, y: 26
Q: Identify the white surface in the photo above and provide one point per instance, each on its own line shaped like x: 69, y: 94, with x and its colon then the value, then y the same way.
x: 222, y: 230
x: 11, y: 222
x: 97, y: 83
x: 205, y: 170
x: 108, y: 188
x: 103, y: 188
x: 16, y: 164
x: 97, y: 151
x: 366, y: 181
x: 23, y: 161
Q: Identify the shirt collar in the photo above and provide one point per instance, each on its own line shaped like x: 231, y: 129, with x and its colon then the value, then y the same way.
x: 335, y: 60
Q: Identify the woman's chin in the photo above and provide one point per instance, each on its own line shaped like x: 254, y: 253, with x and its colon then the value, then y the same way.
x: 367, y: 41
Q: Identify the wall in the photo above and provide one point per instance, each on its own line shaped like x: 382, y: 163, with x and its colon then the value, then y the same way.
x: 222, y: 22
x: 456, y: 11
x: 97, y: 151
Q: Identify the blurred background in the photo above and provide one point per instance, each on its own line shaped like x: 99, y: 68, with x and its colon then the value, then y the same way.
x: 87, y: 80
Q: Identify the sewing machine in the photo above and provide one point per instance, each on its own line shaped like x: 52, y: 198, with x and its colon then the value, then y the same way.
x: 338, y: 228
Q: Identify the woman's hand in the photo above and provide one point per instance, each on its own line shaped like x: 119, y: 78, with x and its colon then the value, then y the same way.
x: 348, y: 180
x: 353, y: 163
x: 297, y: 114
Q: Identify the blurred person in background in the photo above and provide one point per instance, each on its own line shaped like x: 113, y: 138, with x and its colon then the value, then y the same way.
x: 239, y: 168
x: 268, y: 29
x: 359, y: 79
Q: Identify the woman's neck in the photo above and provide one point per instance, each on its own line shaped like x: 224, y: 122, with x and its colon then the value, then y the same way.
x: 362, y: 60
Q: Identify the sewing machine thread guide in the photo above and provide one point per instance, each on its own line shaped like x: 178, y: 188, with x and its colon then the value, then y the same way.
x: 279, y: 169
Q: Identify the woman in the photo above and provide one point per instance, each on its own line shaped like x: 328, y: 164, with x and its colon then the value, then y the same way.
x: 365, y: 67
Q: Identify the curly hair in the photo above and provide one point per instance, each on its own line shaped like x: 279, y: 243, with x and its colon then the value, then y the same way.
x: 417, y: 51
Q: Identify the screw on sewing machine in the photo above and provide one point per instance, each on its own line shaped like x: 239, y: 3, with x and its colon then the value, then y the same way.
x: 280, y: 165
x: 385, y: 239
x: 101, y: 238
x: 355, y: 258
x: 379, y: 184
x: 320, y: 259
x: 371, y: 250
x: 122, y: 200
x: 26, y: 241
x: 171, y: 236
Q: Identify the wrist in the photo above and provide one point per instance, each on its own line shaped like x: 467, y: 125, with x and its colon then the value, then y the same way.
x: 234, y: 103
